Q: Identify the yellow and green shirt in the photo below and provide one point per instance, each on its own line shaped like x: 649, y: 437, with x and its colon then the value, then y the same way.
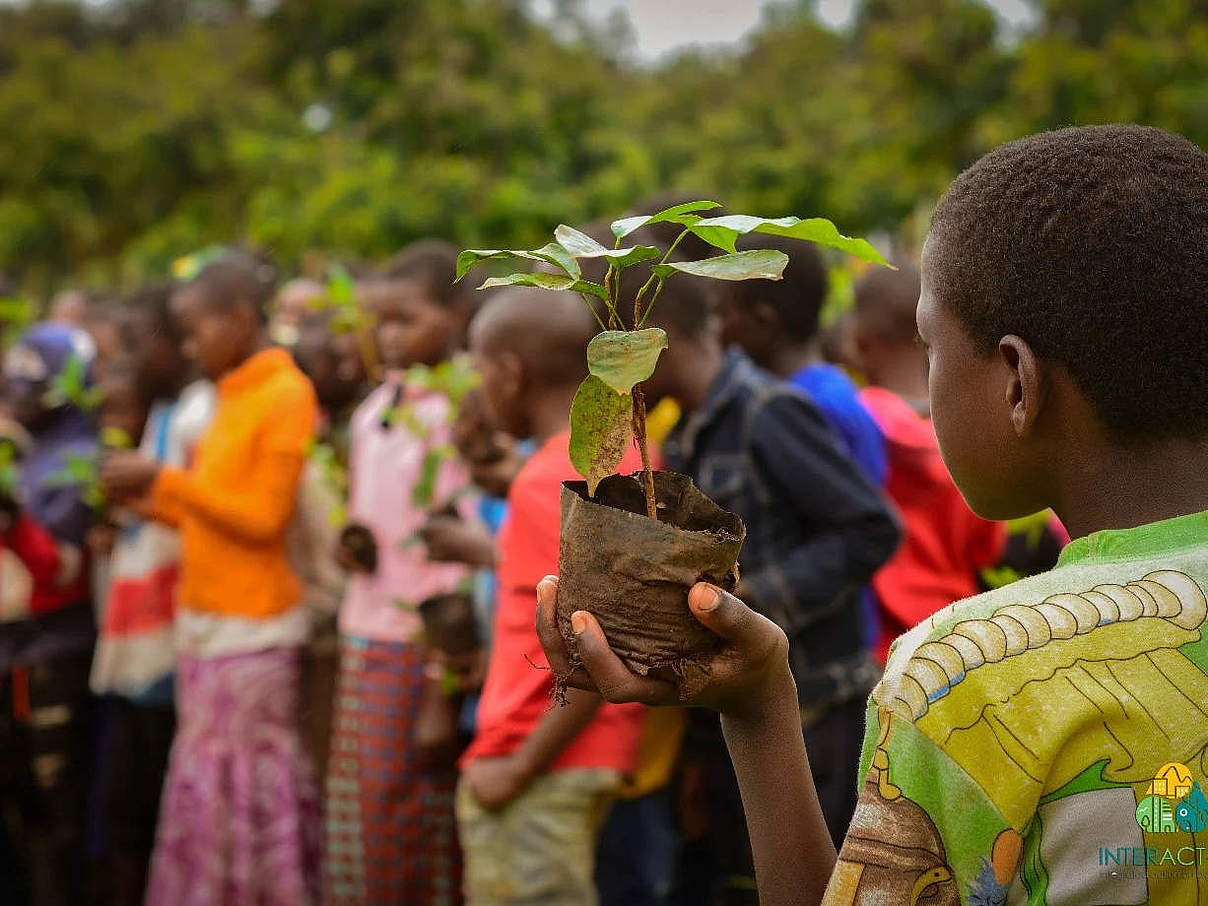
x: 1047, y: 742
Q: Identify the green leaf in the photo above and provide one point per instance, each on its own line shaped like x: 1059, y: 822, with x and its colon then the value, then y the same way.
x: 622, y: 228
x: 723, y: 232
x: 548, y: 281
x: 580, y: 245
x: 550, y: 253
x: 601, y: 422
x: 758, y: 264
x: 624, y: 358
x: 116, y: 438
x: 340, y: 288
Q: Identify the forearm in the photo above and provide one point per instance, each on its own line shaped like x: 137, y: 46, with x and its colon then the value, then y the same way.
x: 792, y: 848
x: 557, y: 728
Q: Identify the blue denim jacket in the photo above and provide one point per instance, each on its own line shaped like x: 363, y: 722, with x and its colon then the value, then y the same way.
x: 817, y: 529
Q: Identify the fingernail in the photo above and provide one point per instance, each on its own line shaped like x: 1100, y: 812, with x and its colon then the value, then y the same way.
x: 709, y: 599
x: 578, y: 621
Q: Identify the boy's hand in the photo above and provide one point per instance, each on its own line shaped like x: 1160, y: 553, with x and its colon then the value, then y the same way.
x: 752, y: 665
x: 453, y: 540
x: 101, y: 538
x: 496, y: 781
x: 126, y: 474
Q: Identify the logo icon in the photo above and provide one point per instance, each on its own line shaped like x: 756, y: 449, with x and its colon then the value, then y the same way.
x: 1173, y: 802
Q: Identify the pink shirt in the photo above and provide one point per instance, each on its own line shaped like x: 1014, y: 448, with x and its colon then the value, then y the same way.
x: 385, y: 465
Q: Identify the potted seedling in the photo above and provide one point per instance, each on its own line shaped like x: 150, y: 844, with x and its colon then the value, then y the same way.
x: 632, y: 546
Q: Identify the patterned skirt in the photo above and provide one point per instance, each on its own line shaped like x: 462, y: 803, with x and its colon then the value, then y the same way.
x: 239, y: 822
x: 391, y: 829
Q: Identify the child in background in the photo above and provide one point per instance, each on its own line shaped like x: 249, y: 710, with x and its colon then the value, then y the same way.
x: 1023, y: 736
x: 391, y: 833
x: 240, y: 815
x: 946, y: 544
x: 46, y: 628
x: 776, y: 324
x: 332, y: 362
x: 135, y: 657
x: 536, y: 780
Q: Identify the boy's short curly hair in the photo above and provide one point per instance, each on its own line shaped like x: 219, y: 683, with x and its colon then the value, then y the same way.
x: 1091, y: 244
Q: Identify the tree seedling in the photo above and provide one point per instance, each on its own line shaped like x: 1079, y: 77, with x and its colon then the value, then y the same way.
x: 609, y: 409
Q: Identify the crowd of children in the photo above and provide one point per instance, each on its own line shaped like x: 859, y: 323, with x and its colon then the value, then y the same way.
x: 268, y: 570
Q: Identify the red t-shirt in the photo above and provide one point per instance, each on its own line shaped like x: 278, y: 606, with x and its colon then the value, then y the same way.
x: 945, y: 545
x: 517, y: 694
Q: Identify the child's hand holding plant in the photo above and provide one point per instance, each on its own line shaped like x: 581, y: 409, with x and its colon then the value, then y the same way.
x: 751, y: 667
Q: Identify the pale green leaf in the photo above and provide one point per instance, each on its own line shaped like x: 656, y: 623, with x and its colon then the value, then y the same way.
x: 723, y: 232
x: 758, y: 264
x: 675, y: 214
x: 625, y: 358
x: 601, y: 423
x: 580, y: 245
x: 543, y: 280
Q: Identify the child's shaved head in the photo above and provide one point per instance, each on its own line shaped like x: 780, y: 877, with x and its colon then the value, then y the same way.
x: 547, y: 331
x: 885, y: 304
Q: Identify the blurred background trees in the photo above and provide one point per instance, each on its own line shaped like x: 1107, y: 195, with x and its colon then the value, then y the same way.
x: 133, y: 131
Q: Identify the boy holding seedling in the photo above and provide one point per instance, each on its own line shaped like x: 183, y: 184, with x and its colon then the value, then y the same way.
x: 1044, y: 741
x: 46, y: 627
x: 135, y: 659
x: 391, y: 831
x: 946, y: 545
x: 536, y: 780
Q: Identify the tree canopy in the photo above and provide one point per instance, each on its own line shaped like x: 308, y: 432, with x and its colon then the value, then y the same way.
x: 138, y: 130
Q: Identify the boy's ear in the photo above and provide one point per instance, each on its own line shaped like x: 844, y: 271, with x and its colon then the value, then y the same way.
x: 1027, y: 383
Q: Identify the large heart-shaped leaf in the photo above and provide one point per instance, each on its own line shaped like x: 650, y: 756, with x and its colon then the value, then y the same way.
x: 675, y: 214
x: 580, y: 245
x: 601, y: 423
x: 552, y: 253
x: 723, y: 232
x: 758, y: 264
x: 624, y: 358
x: 542, y: 280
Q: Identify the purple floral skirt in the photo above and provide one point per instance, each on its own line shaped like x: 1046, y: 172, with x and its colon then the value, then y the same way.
x: 239, y: 822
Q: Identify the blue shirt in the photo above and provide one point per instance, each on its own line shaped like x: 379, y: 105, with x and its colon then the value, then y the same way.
x: 837, y: 398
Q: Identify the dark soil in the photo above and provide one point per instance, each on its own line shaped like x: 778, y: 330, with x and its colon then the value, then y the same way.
x: 633, y: 573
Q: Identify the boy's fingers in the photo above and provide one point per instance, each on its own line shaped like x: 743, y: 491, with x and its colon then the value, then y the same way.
x: 734, y: 621
x: 614, y: 681
x: 547, y: 626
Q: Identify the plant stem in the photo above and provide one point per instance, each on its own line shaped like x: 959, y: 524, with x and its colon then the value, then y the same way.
x: 369, y: 357
x: 591, y: 307
x: 639, y: 431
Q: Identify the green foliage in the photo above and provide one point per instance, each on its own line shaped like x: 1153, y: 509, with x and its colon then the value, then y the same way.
x: 137, y: 130
x: 601, y: 423
x: 70, y: 387
x: 9, y: 471
x: 82, y: 472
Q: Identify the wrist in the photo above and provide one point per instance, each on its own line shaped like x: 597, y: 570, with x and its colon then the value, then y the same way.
x: 765, y: 702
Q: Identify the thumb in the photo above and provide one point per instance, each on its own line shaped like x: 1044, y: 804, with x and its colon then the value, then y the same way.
x: 726, y: 616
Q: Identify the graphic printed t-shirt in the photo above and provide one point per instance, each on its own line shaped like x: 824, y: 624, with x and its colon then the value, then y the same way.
x: 1046, y: 742
x: 517, y: 691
